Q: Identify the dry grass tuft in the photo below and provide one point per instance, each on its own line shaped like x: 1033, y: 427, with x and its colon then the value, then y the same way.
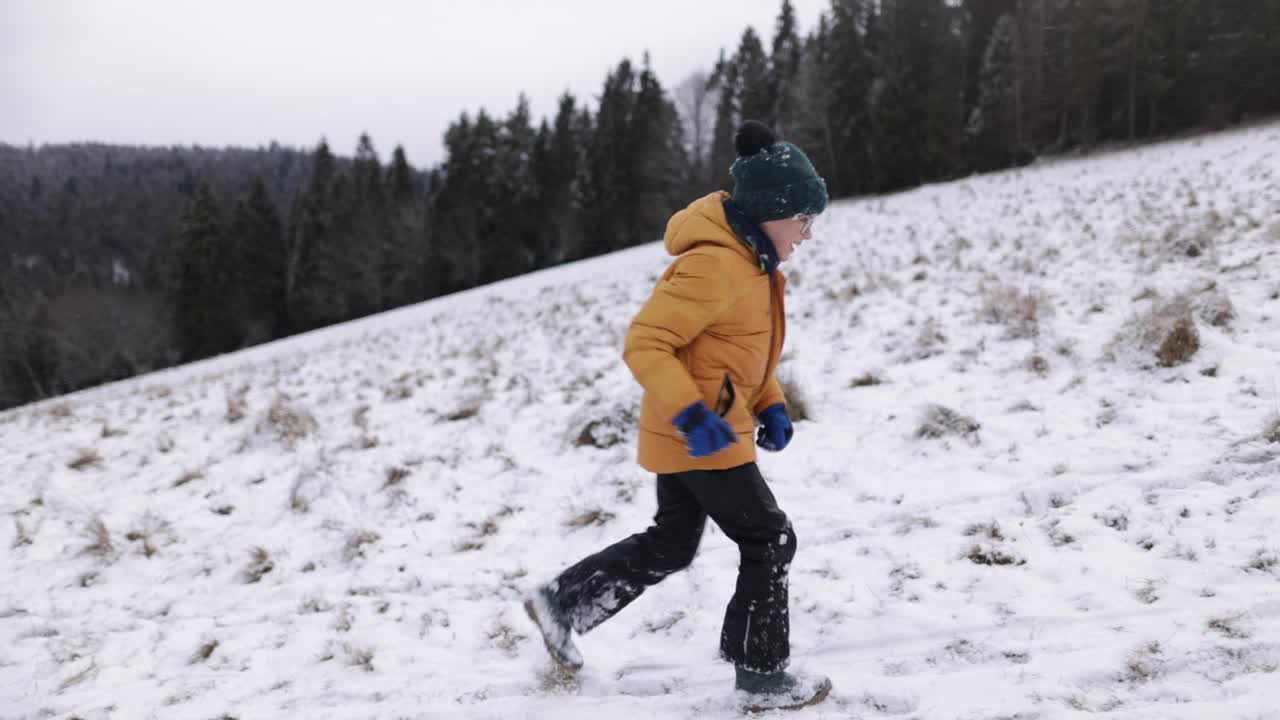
x: 1018, y: 311
x: 395, y: 476
x: 940, y: 421
x: 237, y: 408
x: 1168, y: 332
x: 1229, y: 626
x: 866, y: 379
x: 361, y: 657
x: 290, y: 422
x: 607, y: 426
x: 989, y: 531
x: 100, y: 543
x: 593, y: 516
x: 797, y: 401
x: 203, y: 652
x: 260, y: 564
x: 987, y: 554
x: 356, y: 543
x: 1271, y: 431
x: 21, y: 536
x: 505, y: 637
x: 1145, y: 664
x: 466, y: 412
x: 87, y: 457
x: 1264, y: 561
x: 110, y: 432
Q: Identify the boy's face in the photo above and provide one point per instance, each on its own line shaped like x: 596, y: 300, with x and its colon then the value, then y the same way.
x: 787, y: 234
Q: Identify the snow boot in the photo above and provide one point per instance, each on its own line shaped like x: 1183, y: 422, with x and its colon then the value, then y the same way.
x: 761, y: 692
x: 544, y: 611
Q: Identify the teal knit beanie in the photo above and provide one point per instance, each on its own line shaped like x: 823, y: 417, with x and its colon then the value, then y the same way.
x: 773, y: 180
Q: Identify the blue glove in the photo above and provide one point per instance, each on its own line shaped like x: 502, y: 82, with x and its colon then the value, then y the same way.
x: 705, y: 432
x: 775, y: 431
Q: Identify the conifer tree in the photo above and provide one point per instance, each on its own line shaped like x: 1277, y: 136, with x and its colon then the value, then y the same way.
x: 204, y: 328
x: 257, y: 295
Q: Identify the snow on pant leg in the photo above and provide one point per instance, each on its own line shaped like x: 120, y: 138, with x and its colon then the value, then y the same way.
x: 757, y: 626
x: 598, y: 586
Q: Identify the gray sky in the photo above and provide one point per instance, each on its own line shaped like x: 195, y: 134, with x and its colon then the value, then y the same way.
x: 246, y: 72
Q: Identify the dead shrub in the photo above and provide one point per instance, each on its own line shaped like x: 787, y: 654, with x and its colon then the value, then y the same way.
x: 940, y: 422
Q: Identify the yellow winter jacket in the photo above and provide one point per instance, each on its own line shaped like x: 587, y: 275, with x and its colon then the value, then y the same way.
x: 714, y: 312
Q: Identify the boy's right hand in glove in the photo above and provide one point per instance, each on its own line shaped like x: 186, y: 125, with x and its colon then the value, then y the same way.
x: 704, y: 432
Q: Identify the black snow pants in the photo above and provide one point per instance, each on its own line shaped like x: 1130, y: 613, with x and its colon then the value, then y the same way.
x: 756, y: 628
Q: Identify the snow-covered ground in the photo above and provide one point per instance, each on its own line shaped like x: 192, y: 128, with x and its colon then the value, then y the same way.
x: 341, y: 525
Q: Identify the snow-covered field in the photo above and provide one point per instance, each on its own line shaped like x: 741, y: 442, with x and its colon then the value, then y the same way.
x: 1007, y: 505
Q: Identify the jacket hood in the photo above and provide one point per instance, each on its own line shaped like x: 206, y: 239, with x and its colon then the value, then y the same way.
x: 704, y: 222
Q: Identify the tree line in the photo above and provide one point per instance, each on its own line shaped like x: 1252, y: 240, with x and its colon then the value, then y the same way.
x: 122, y: 260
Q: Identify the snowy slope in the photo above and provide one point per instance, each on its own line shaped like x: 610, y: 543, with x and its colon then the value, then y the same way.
x: 340, y: 525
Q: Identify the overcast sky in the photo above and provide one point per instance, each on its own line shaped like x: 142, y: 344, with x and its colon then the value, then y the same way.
x: 246, y: 72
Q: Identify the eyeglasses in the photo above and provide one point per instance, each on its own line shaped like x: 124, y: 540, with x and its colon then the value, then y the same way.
x: 808, y: 223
